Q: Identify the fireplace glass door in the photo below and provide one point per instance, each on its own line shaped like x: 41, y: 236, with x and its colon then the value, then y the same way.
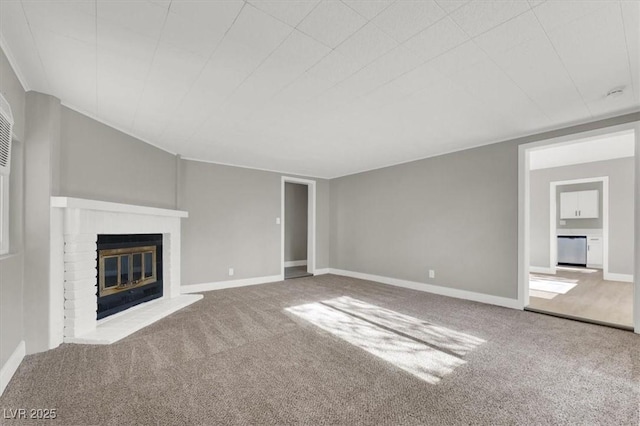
x: 126, y: 268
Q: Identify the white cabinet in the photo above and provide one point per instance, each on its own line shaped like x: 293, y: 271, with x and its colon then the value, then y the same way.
x: 594, y: 252
x: 579, y: 205
x: 588, y: 204
x: 568, y: 205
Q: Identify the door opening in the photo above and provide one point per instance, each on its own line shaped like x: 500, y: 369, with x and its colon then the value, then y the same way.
x: 298, y: 228
x: 578, y: 213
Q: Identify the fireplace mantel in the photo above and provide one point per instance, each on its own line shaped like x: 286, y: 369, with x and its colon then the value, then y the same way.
x: 75, y: 226
x: 106, y: 206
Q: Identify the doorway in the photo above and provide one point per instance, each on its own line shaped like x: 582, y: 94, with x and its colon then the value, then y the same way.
x: 298, y: 228
x: 576, y: 229
x: 595, y: 229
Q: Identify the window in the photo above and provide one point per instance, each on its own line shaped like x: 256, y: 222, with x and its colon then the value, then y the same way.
x: 4, y: 214
x: 6, y: 125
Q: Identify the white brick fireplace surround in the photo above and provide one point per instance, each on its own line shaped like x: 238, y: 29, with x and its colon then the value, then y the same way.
x: 75, y: 225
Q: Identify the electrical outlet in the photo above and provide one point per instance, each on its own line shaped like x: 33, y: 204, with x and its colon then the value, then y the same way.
x: 432, y: 273
x: 230, y: 272
x: 563, y: 222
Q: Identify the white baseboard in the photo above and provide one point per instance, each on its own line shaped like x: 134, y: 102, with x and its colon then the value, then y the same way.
x: 430, y: 288
x: 542, y: 270
x: 291, y: 263
x: 611, y: 276
x: 219, y: 285
x: 11, y: 366
x: 323, y: 271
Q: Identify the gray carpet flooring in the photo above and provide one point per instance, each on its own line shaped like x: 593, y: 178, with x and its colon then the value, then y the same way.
x: 271, y: 354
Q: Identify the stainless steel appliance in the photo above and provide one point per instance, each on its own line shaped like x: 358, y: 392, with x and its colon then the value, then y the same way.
x: 572, y: 250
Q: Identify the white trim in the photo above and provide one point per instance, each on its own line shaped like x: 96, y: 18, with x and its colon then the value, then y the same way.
x: 14, y: 64
x: 435, y: 289
x: 542, y: 270
x: 105, y: 206
x: 553, y: 226
x: 524, y: 213
x: 524, y: 255
x: 636, y: 225
x: 553, y: 220
x: 11, y: 366
x: 311, y: 221
x: 612, y: 276
x: 219, y: 285
x: 596, y: 232
x: 539, y: 132
x: 290, y: 263
x: 57, y: 278
x: 585, y: 151
x: 323, y: 271
x: 261, y: 169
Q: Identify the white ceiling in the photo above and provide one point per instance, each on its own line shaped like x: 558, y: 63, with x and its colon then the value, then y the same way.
x: 326, y: 87
x: 600, y: 148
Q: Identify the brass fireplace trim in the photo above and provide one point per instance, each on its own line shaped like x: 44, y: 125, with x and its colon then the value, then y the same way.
x: 128, y: 252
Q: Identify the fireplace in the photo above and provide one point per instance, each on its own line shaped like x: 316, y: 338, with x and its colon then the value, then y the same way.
x: 139, y: 247
x: 129, y: 271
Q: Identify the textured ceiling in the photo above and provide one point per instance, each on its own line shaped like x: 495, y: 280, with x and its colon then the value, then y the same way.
x: 327, y: 88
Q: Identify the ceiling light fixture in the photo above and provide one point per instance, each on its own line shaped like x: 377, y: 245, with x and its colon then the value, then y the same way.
x: 615, y: 93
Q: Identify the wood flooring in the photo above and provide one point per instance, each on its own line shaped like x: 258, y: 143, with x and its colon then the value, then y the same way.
x: 587, y: 296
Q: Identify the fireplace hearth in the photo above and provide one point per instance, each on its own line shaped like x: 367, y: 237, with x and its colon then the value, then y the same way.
x: 129, y: 271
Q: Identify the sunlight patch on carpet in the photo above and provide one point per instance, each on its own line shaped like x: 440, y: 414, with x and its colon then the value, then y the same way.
x: 426, y: 351
x: 433, y: 335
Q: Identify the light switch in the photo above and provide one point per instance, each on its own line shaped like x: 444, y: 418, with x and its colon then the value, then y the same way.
x: 277, y: 221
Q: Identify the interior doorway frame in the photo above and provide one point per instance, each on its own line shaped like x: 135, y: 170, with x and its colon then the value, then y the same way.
x: 553, y: 221
x: 311, y: 221
x: 524, y: 255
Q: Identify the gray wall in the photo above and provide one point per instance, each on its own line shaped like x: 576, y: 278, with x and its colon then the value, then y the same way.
x: 295, y: 213
x: 42, y: 163
x: 456, y: 214
x: 11, y: 266
x: 232, y: 222
x: 99, y: 162
x: 594, y: 223
x: 621, y: 213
